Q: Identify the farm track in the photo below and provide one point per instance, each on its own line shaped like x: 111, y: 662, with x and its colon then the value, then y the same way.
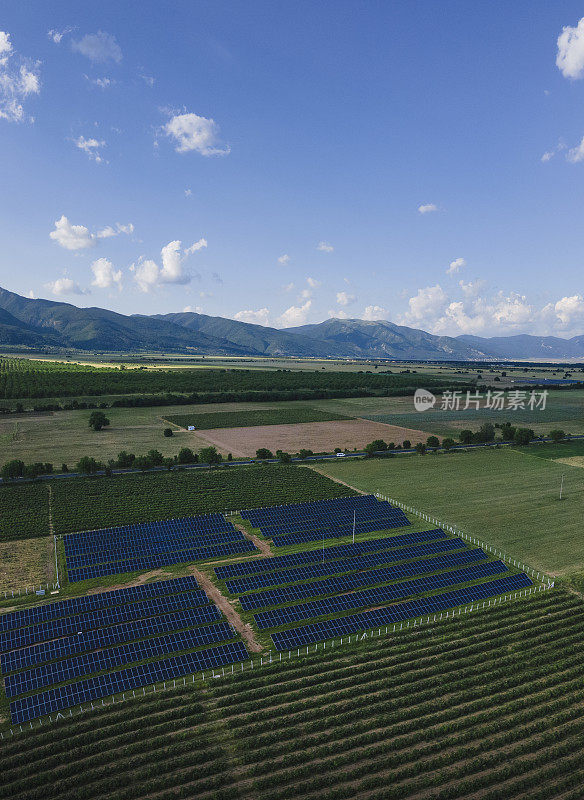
x: 484, y: 707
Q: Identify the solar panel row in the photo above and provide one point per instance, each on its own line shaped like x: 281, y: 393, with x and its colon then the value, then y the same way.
x: 305, y: 510
x: 314, y: 556
x: 206, y: 521
x: 76, y: 667
x: 84, y: 641
x: 84, y: 691
x: 45, y: 631
x: 381, y: 511
x: 159, y: 560
x: 120, y: 542
x: 369, y: 597
x: 345, y: 583
x: 354, y: 623
x: 338, y: 531
x: 358, y: 562
x: 75, y: 605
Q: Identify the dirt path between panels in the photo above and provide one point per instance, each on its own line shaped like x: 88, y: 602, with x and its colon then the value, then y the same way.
x: 224, y: 605
x: 261, y: 545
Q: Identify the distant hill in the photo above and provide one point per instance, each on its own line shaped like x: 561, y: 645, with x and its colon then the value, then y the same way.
x: 52, y: 324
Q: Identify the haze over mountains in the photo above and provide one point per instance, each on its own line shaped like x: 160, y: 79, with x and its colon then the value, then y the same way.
x: 51, y: 324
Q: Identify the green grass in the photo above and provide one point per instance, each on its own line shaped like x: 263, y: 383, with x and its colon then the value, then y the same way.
x: 450, y: 710
x: 506, y: 497
x: 249, y: 419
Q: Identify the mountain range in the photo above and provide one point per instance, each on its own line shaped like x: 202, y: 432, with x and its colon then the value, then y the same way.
x: 49, y: 324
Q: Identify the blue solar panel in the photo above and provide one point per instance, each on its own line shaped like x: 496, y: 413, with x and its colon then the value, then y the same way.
x: 76, y: 605
x: 90, y: 689
x: 50, y: 674
x: 358, y: 562
x: 159, y: 560
x: 369, y: 597
x: 288, y: 594
x: 85, y: 641
x: 314, y: 556
x: 338, y: 531
x: 343, y: 626
x: 11, y: 640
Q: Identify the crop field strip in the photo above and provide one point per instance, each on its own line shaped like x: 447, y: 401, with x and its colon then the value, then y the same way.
x: 251, y: 418
x: 330, y: 568
x: 489, y: 705
x: 43, y: 654
x: 287, y: 594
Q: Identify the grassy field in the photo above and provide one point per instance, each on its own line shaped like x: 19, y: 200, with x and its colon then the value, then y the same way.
x: 253, y: 418
x: 449, y: 711
x: 506, y: 497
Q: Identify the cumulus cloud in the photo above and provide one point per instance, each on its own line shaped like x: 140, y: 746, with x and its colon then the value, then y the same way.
x: 101, y: 83
x: 19, y: 78
x: 284, y: 259
x: 64, y: 286
x: 373, y: 313
x: 288, y: 287
x: 313, y: 283
x: 190, y: 132
x: 148, y: 275
x: 576, y: 154
x: 295, y: 315
x: 91, y: 148
x: 325, y: 247
x: 456, y: 266
x: 98, y: 47
x: 56, y: 36
x: 193, y: 310
x: 547, y: 156
x: 345, y: 299
x: 567, y: 311
x: 425, y: 306
x: 570, y: 56
x: 338, y: 313
x: 259, y: 317
x: 78, y: 237
x: 427, y: 208
x: 188, y: 192
x: 104, y: 274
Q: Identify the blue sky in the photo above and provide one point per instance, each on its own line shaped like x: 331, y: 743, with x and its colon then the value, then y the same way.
x: 285, y: 162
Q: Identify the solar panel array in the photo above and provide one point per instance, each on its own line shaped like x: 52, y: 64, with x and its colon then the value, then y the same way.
x: 359, y: 562
x: 287, y: 594
x: 371, y: 597
x: 90, y: 689
x: 313, y: 556
x: 128, y: 548
x: 328, y: 519
x: 68, y: 641
x: 343, y: 626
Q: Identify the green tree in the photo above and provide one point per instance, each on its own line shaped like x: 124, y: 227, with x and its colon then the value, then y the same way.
x: 155, y: 457
x: 433, y: 441
x: 284, y: 457
x: 465, y: 436
x: 209, y: 455
x: 88, y: 466
x: 406, y: 444
x: 448, y: 443
x: 263, y: 452
x: 168, y: 432
x: 186, y: 456
x: 98, y: 420
x: 306, y: 453
x: 421, y: 448
x: 557, y: 435
x: 168, y: 463
x: 12, y: 469
x: 523, y: 436
x: 125, y: 460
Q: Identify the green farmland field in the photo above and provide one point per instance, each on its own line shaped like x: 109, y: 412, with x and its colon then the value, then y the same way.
x: 506, y: 497
x: 249, y: 419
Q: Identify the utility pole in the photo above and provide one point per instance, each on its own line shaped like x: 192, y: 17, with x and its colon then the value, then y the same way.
x: 354, y: 517
x: 562, y: 486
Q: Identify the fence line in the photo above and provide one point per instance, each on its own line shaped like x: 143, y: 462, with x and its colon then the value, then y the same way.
x: 272, y: 658
x: 540, y: 576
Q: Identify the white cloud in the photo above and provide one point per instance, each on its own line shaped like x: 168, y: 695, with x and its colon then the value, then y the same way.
x: 104, y: 274
x: 191, y: 132
x: 19, y: 78
x: 148, y: 80
x: 284, y: 259
x: 101, y: 83
x: 71, y: 237
x: 56, y: 36
x: 338, y: 313
x: 568, y: 310
x: 576, y: 154
x: 373, y: 313
x: 426, y: 306
x: 31, y: 295
x: 64, y: 286
x: 305, y: 294
x: 259, y: 317
x: 345, y: 299
x: 427, y: 208
x: 91, y: 147
x: 188, y: 192
x: 288, y: 287
x: 313, y: 283
x: 325, y: 247
x: 98, y: 47
x: 149, y: 275
x: 193, y: 310
x: 456, y: 266
x: 472, y: 288
x: 547, y: 156
x: 570, y: 57
x: 295, y: 315
x: 127, y: 229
